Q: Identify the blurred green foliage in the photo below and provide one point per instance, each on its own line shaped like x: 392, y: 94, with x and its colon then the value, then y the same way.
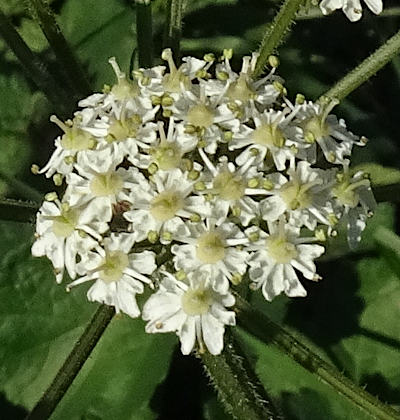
x: 350, y: 318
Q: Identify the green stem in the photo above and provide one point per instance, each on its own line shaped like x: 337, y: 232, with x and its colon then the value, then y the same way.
x: 237, y: 385
x: 174, y: 26
x: 42, y: 12
x: 262, y: 327
x: 144, y: 33
x: 73, y: 364
x: 366, y: 69
x: 17, y: 210
x: 276, y: 32
x: 34, y: 68
x: 25, y: 190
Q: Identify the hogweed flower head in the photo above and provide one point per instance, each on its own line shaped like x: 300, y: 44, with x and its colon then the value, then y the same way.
x: 191, y: 179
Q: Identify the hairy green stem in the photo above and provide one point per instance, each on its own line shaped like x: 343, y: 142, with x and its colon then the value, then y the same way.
x: 17, y: 210
x: 174, y: 26
x: 366, y: 69
x: 262, y: 327
x: 34, y: 68
x: 276, y: 32
x: 144, y: 34
x: 73, y: 364
x: 238, y: 387
x: 42, y: 12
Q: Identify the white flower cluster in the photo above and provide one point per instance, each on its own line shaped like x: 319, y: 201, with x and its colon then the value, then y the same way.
x: 192, y: 180
x: 351, y: 8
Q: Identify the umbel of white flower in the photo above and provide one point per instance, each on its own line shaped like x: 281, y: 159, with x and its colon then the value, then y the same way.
x: 190, y: 180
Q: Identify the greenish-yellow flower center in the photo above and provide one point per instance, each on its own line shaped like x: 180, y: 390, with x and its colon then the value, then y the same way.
x: 167, y: 156
x: 103, y: 185
x: 200, y: 116
x: 315, y: 128
x: 229, y: 186
x: 114, y: 263
x: 65, y: 224
x: 197, y: 301
x: 240, y: 90
x: 77, y: 139
x: 346, y: 192
x: 172, y: 81
x: 121, y: 130
x: 125, y: 89
x: 296, y: 195
x: 165, y: 205
x: 210, y: 248
x: 280, y: 249
x: 269, y: 135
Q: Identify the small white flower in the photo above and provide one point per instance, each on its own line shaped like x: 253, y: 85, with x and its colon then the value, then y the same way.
x: 272, y: 136
x: 230, y: 185
x: 213, y: 248
x: 196, y: 312
x: 63, y: 232
x: 167, y: 151
x: 242, y: 89
x: 159, y: 206
x: 79, y: 137
x: 118, y: 274
x: 351, y: 8
x: 277, y: 255
x: 355, y: 202
x: 99, y: 180
x: 127, y: 131
x: 331, y: 134
x: 204, y: 117
x: 303, y: 198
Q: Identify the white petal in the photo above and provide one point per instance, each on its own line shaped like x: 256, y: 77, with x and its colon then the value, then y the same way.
x: 213, y: 333
x: 187, y: 335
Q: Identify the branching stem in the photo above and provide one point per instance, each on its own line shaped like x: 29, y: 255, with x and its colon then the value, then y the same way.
x: 276, y: 32
x: 42, y: 12
x: 34, y: 68
x: 266, y: 330
x: 174, y: 26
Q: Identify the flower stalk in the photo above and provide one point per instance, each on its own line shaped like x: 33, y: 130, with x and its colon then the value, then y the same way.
x: 366, y: 69
x: 266, y: 330
x: 174, y: 26
x: 34, y: 68
x: 73, y: 364
x: 276, y: 32
x: 41, y: 11
x: 144, y: 33
x: 238, y: 387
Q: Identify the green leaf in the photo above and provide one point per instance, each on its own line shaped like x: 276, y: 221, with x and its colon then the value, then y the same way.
x: 372, y: 357
x: 98, y: 30
x: 18, y: 107
x: 300, y: 394
x: 120, y: 377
